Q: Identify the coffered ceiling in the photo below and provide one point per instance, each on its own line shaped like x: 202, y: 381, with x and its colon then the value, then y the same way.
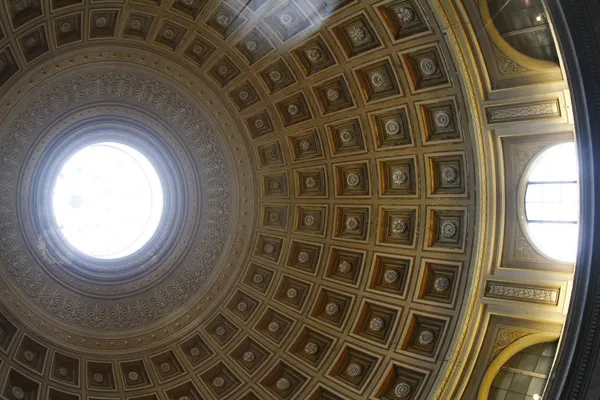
x: 330, y: 198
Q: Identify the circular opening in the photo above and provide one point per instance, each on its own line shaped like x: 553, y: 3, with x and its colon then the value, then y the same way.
x: 108, y: 200
x: 552, y: 202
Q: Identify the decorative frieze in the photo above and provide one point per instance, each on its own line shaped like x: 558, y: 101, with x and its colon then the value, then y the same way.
x: 522, y: 292
x: 523, y: 111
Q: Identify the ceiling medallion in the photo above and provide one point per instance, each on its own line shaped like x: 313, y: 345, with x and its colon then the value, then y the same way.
x: 309, y: 220
x: 353, y: 179
x: 273, y: 326
x: 194, y: 352
x: 293, y: 109
x: 311, y: 348
x: 165, y: 367
x: 31, y: 41
x: 314, y: 54
x: 449, y: 229
x: 333, y: 94
x: 104, y: 294
x: 392, y: 127
x: 428, y: 66
x: 344, y: 267
x: 405, y: 14
x: 391, y: 276
x: 220, y: 331
x: 65, y: 27
x: 259, y: 123
x: 98, y: 377
x: 442, y: 119
x: 399, y: 177
x: 269, y: 248
x: 352, y: 223
x: 223, y: 70
x: 243, y: 95
x: 223, y: 20
x: 275, y: 75
x: 449, y: 174
x: 287, y: 19
x: 283, y: 384
x: 347, y: 136
x: 354, y: 370
x: 399, y: 227
x: 136, y: 24
x: 332, y: 309
x: 169, y: 34
x: 377, y: 79
x: 358, y: 34
x: 17, y: 392
x: 310, y: 182
x: 218, y: 382
x: 426, y: 337
x: 273, y: 217
x: 402, y: 389
x: 377, y: 324
x: 101, y: 22
x: 441, y: 284
x: 304, y: 145
x: 275, y: 185
x: 303, y: 257
x: 251, y: 45
x: 28, y: 355
x: 249, y: 357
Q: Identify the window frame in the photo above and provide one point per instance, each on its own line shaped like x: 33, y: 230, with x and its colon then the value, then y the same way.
x: 521, y: 205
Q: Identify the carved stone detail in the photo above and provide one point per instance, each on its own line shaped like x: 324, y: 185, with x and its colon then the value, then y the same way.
x: 520, y: 292
x: 504, y: 338
x: 523, y: 112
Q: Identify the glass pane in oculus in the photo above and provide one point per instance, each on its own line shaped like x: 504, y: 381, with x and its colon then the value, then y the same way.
x: 108, y: 200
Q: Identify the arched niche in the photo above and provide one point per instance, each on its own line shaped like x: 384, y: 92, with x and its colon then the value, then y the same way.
x: 509, y: 50
x: 504, y: 357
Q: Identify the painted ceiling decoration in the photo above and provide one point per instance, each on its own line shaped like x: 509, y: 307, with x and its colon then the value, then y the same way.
x: 343, y: 190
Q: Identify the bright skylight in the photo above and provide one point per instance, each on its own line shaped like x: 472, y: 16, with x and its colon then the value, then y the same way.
x: 552, y: 202
x: 108, y: 200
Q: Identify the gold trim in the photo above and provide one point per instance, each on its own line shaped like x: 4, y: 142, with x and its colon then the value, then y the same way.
x: 450, y: 375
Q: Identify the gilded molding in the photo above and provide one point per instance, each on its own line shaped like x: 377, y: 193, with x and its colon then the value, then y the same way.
x: 448, y: 382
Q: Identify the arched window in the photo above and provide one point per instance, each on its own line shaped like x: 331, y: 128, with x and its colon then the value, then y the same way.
x: 552, y: 202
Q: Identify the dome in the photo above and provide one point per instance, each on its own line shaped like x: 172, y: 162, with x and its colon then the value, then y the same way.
x: 299, y: 199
